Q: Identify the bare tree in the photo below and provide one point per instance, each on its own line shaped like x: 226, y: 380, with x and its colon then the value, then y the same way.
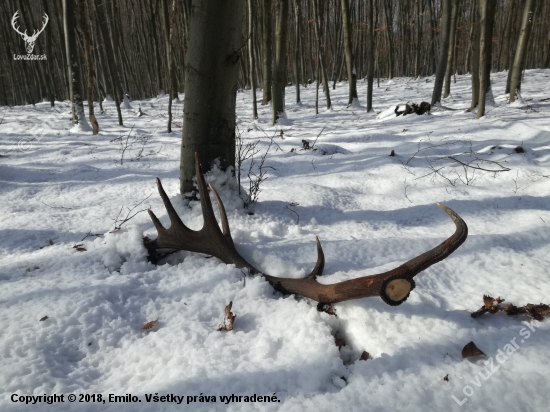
x: 75, y: 93
x: 451, y: 53
x: 352, y: 78
x: 370, y: 53
x: 279, y: 64
x: 251, y: 60
x: 83, y: 20
x: 521, y: 50
x: 443, y: 50
x: 487, y: 14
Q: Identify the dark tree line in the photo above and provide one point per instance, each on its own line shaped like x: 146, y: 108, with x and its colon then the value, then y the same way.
x: 134, y: 43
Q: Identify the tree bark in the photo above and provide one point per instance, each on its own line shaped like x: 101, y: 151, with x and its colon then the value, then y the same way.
x: 211, y: 70
x: 443, y: 50
x: 352, y: 80
x: 72, y: 63
x: 370, y: 58
x: 487, y: 12
x: 475, y: 56
x: 251, y: 60
x: 320, y: 52
x: 169, y: 62
x: 451, y: 53
x: 519, y: 59
x: 297, y: 48
x: 266, y: 50
x: 279, y: 64
x: 81, y: 5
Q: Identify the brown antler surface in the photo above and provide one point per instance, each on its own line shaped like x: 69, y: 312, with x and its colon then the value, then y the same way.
x: 393, y: 286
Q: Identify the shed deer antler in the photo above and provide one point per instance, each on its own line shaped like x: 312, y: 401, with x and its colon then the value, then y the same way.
x: 29, y: 40
x: 393, y: 286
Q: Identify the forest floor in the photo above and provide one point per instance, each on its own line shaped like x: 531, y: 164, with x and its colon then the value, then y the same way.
x: 61, y: 191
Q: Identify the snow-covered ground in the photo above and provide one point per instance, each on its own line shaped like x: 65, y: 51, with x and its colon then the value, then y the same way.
x: 371, y: 211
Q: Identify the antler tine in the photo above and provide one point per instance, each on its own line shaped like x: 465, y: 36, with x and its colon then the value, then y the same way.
x: 320, y: 264
x: 172, y: 214
x: 206, y: 204
x: 225, y: 224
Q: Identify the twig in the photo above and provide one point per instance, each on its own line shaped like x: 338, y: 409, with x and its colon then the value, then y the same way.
x: 119, y: 223
x: 56, y: 207
x: 293, y: 211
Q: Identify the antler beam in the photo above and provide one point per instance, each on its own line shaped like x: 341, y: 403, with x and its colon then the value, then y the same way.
x: 393, y: 286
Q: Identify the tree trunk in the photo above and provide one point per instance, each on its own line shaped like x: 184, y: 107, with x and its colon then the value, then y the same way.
x: 72, y: 63
x: 115, y: 81
x: 487, y: 12
x: 389, y: 36
x: 266, y: 50
x: 443, y: 50
x: 320, y: 52
x: 297, y: 48
x: 211, y: 70
x: 348, y: 53
x: 251, y: 60
x: 450, y: 55
x: 418, y: 40
x: 504, y: 57
x: 169, y: 61
x: 519, y: 59
x: 475, y: 56
x: 370, y: 58
x: 83, y: 17
x: 279, y: 64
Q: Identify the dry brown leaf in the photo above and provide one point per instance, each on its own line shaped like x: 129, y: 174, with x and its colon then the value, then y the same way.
x: 51, y: 242
x: 365, y: 355
x: 44, y: 318
x: 81, y: 249
x: 229, y: 319
x: 149, y: 325
x: 339, y: 342
x: 90, y: 343
x: 446, y: 378
x: 471, y: 350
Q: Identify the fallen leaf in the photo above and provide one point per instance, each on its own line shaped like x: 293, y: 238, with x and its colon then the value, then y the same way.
x: 446, y: 378
x: 471, y: 350
x: 90, y: 343
x: 365, y: 355
x: 229, y: 318
x: 44, y: 318
x: 51, y: 242
x: 81, y: 249
x: 149, y: 325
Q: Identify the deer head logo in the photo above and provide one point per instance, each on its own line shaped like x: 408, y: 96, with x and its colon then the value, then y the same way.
x: 29, y: 40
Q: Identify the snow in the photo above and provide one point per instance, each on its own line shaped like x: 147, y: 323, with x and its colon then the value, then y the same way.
x: 371, y: 211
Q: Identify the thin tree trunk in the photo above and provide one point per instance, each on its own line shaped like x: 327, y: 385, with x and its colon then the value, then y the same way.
x: 279, y: 64
x: 450, y: 55
x: 169, y: 60
x: 72, y: 63
x: 370, y: 53
x: 475, y: 57
x: 81, y: 5
x: 348, y: 52
x: 297, y: 48
x: 487, y: 11
x: 418, y: 40
x: 266, y: 50
x: 320, y: 52
x: 519, y: 59
x: 443, y: 50
x: 251, y: 60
